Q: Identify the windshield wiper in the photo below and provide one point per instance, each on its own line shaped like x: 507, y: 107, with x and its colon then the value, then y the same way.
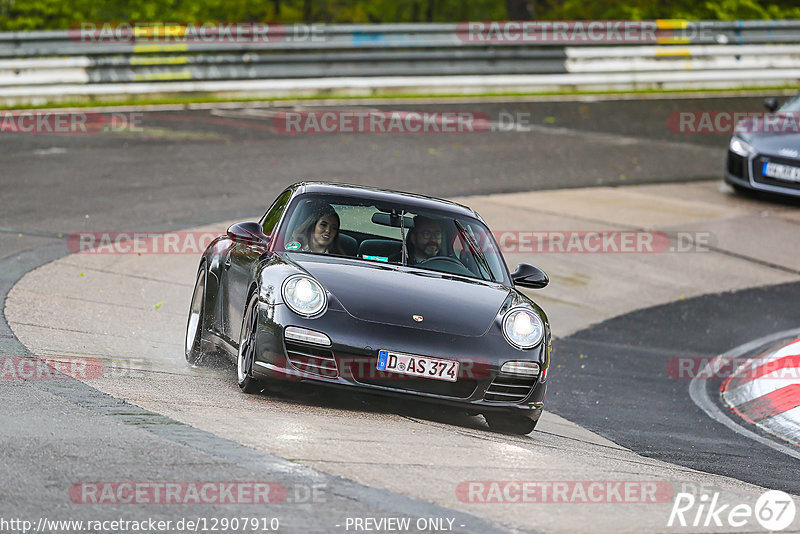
x: 476, y: 250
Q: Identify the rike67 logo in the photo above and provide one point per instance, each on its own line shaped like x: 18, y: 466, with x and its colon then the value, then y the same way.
x: 774, y: 510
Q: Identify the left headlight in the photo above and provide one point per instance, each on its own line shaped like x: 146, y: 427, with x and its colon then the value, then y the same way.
x: 738, y: 146
x: 523, y: 328
x: 304, y: 295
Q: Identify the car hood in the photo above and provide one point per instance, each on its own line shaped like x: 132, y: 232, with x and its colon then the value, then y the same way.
x: 394, y: 295
x: 772, y: 144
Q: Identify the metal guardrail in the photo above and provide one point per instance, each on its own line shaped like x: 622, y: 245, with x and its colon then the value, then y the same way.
x: 439, y: 56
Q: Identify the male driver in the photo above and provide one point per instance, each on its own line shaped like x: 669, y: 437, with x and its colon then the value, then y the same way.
x: 424, y: 240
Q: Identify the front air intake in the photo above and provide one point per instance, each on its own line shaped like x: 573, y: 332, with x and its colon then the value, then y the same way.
x: 312, y: 360
x: 505, y: 388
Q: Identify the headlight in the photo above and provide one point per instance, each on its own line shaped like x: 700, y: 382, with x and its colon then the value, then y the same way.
x: 738, y: 146
x: 523, y: 328
x: 304, y: 295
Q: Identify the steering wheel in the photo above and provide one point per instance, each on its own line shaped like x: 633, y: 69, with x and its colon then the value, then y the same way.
x: 446, y: 262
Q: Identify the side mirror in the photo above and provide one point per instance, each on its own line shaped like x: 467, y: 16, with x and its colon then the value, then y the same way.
x: 530, y: 276
x: 771, y: 104
x: 249, y: 233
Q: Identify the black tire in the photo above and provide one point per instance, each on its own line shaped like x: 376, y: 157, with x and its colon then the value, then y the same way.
x: 510, y: 424
x: 740, y: 189
x: 247, y: 348
x: 195, y: 332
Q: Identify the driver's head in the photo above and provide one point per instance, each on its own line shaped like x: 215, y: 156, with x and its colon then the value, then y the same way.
x: 426, y: 237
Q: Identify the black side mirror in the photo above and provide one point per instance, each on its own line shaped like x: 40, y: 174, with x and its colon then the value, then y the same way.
x: 530, y: 276
x: 249, y: 233
x: 771, y: 104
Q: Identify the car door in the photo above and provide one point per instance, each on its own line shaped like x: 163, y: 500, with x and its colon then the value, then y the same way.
x: 241, y: 265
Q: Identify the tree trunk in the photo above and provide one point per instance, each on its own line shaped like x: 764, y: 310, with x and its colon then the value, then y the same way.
x: 430, y: 10
x: 518, y: 10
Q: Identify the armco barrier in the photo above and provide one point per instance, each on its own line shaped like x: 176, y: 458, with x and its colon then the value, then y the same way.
x: 430, y: 58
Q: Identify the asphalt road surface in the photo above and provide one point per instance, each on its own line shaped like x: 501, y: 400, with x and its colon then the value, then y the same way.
x: 199, y: 166
x: 642, y: 348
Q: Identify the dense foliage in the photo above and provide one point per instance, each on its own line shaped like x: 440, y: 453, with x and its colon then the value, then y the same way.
x: 61, y: 14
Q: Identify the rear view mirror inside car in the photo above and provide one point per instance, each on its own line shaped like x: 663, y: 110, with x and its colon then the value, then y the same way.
x: 391, y: 219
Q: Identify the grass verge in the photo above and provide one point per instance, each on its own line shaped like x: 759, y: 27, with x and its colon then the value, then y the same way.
x: 211, y: 98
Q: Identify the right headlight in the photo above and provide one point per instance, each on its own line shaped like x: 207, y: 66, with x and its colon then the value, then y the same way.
x: 304, y: 295
x: 738, y: 146
x: 523, y: 328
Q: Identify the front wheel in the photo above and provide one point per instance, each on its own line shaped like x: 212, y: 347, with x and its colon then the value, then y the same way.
x: 510, y: 424
x: 247, y: 348
x: 740, y: 189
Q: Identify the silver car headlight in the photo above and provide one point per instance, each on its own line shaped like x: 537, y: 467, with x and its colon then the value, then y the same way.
x: 304, y: 295
x: 523, y: 328
x: 740, y: 147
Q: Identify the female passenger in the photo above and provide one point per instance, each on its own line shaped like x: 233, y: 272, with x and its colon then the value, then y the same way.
x: 320, y: 232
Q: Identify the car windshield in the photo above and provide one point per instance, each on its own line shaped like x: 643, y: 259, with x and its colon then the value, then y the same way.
x: 391, y: 234
x: 792, y: 105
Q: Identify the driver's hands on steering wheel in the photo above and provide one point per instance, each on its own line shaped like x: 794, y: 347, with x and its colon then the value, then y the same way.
x: 442, y: 258
x: 457, y: 266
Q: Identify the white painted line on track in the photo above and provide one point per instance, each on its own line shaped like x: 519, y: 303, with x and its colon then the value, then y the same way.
x: 699, y: 393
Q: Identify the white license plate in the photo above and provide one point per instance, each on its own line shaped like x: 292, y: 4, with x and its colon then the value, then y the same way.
x: 421, y: 366
x: 781, y: 172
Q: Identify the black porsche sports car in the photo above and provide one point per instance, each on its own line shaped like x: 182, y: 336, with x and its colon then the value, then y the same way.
x: 378, y: 290
x: 764, y: 152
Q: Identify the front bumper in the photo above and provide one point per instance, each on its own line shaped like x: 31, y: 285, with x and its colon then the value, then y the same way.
x: 739, y: 171
x: 351, y: 361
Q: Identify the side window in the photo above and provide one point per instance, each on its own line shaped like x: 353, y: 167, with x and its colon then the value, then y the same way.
x: 274, y: 214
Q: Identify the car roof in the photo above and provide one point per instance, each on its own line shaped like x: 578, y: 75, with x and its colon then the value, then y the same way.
x: 385, y: 195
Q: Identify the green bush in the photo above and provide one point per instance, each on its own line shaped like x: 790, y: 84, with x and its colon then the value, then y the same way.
x: 61, y: 14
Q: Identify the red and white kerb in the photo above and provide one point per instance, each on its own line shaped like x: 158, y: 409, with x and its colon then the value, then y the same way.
x: 766, y: 392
